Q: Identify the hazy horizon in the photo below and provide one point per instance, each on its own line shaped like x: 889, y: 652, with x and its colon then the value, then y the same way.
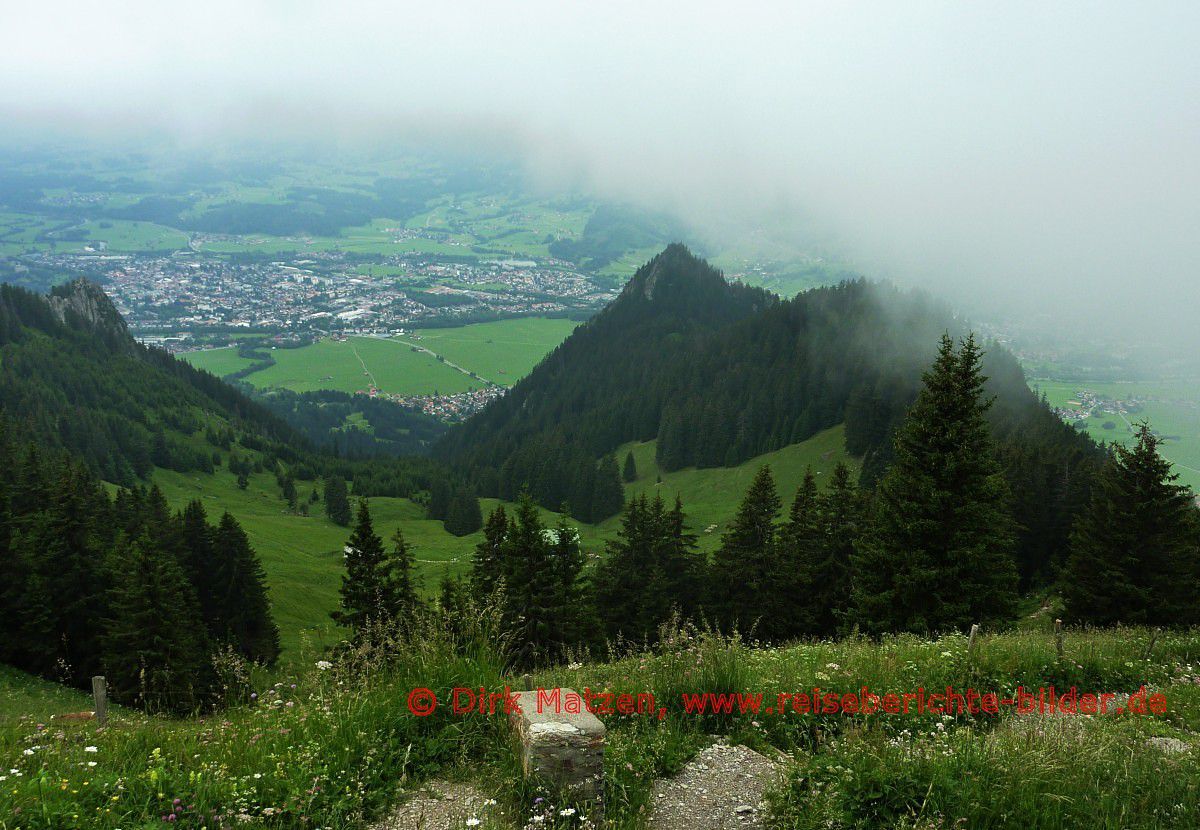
x: 1025, y: 157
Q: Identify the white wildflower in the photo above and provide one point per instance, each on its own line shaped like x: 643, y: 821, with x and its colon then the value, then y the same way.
x: 324, y: 665
x: 90, y: 749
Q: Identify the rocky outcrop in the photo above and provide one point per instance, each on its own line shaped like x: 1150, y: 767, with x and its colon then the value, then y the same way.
x: 83, y: 305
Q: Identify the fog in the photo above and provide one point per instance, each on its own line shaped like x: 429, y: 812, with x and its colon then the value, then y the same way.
x: 1028, y: 157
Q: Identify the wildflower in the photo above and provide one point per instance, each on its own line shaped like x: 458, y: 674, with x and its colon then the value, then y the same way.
x: 91, y: 763
x: 28, y: 752
x: 472, y: 822
x: 90, y: 749
x: 567, y: 811
x: 324, y: 665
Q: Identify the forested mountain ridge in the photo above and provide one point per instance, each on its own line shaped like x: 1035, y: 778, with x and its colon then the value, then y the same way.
x: 720, y: 373
x: 72, y: 377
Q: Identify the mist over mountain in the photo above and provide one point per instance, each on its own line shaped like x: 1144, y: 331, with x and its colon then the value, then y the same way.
x: 718, y: 373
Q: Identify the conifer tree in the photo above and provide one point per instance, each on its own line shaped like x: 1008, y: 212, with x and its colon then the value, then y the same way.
x: 630, y: 473
x: 363, y: 590
x: 840, y: 511
x: 199, y: 562
x: 155, y: 651
x: 532, y: 585
x: 650, y: 571
x: 608, y: 496
x: 242, y: 612
x: 940, y: 553
x: 791, y: 604
x: 744, y: 565
x: 400, y: 584
x: 1135, y: 551
x: 487, y: 567
x: 463, y: 516
x: 337, y: 501
x: 570, y: 616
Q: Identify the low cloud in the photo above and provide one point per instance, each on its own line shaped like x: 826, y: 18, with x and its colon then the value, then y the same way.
x: 1026, y: 156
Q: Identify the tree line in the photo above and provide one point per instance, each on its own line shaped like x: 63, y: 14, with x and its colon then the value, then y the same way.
x: 122, y: 585
x: 931, y: 549
x: 718, y: 373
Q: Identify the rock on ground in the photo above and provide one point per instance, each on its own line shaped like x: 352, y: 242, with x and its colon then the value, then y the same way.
x: 720, y: 789
x: 440, y: 805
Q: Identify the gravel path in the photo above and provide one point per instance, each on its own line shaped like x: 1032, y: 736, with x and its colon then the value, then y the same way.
x: 442, y: 805
x: 720, y: 789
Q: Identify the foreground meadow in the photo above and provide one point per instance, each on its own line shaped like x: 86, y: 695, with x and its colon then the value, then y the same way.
x: 335, y: 746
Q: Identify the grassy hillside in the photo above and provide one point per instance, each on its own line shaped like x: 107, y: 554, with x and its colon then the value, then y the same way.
x: 711, y: 496
x: 23, y: 695
x: 302, y: 554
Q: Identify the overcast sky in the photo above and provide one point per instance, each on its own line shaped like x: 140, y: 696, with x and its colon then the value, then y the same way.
x: 1040, y: 153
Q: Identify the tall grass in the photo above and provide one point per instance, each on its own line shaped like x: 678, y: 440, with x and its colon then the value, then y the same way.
x: 336, y: 745
x: 329, y: 749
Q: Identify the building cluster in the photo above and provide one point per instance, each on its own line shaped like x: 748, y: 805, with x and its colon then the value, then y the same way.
x: 326, y: 292
x: 1086, y: 403
x: 451, y: 407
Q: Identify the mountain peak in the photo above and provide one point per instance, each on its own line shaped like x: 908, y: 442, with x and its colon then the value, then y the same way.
x: 673, y: 270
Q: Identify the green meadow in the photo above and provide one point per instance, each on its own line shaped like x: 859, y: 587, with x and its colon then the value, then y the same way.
x: 220, y: 361
x: 123, y: 236
x: 302, y: 554
x: 1172, y: 409
x: 503, y: 351
x: 354, y: 364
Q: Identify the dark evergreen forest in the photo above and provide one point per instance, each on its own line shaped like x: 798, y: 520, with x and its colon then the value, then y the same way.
x: 720, y: 372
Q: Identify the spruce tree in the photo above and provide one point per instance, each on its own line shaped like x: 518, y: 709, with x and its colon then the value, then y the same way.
x: 1135, y: 551
x: 242, y: 611
x: 337, y: 501
x: 532, y: 585
x: 463, y: 515
x: 400, y: 586
x: 608, y: 496
x: 363, y: 590
x: 940, y: 553
x: 487, y: 568
x: 840, y: 509
x: 155, y: 651
x: 199, y: 562
x: 570, y: 616
x: 791, y: 604
x: 744, y: 566
x: 630, y: 473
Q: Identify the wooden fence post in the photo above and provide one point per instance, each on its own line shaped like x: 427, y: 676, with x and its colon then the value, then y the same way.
x: 1153, y: 639
x: 1058, y: 638
x: 971, y: 639
x: 100, y: 699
